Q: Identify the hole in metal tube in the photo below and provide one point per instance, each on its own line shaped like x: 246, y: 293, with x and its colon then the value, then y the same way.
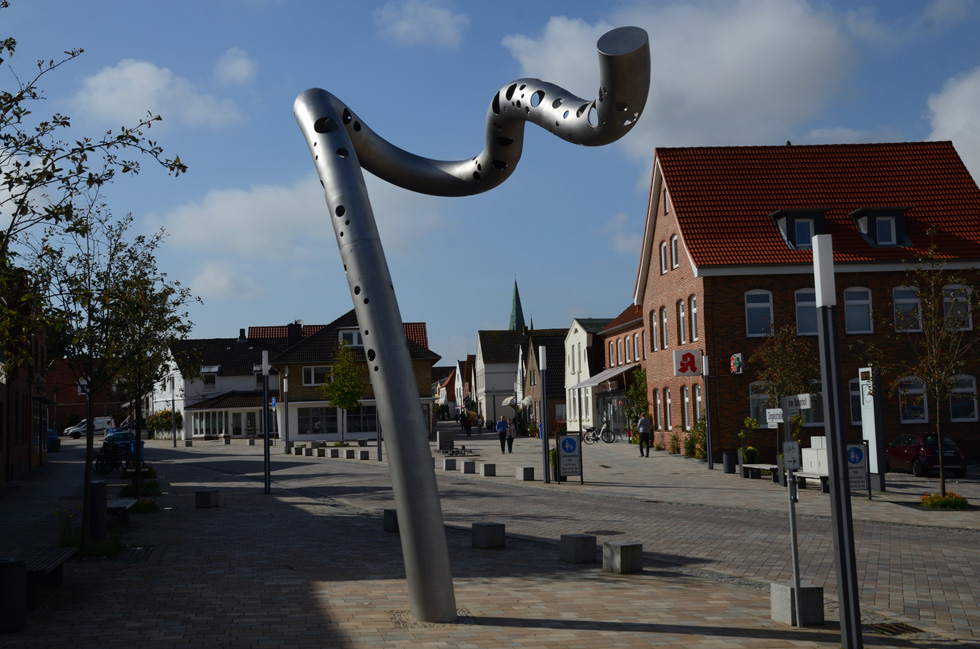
x: 347, y: 222
x: 581, y: 109
x: 523, y: 86
x: 340, y: 211
x: 565, y: 116
x: 500, y: 164
x: 341, y: 233
x: 357, y: 126
x: 505, y: 141
x: 325, y: 125
x: 593, y: 116
x: 476, y: 176
x: 347, y: 115
x: 622, y: 106
x: 342, y: 153
x: 371, y: 354
x: 537, y: 98
x: 510, y: 91
x: 357, y: 290
x: 558, y: 102
x: 518, y: 103
x: 375, y: 368
x: 495, y: 105
x: 366, y: 300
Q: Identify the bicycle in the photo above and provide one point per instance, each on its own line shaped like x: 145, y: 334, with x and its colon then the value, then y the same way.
x: 111, y: 458
x: 592, y: 437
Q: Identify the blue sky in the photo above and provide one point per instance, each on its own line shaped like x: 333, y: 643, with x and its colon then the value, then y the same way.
x: 248, y: 226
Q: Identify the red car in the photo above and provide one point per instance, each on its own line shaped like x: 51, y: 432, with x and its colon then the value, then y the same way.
x: 918, y: 453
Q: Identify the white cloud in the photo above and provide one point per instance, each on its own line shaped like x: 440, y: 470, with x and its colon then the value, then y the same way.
x: 744, y: 72
x: 622, y: 237
x: 126, y: 92
x: 864, y: 24
x: 234, y: 67
x: 219, y: 280
x: 422, y: 21
x: 955, y: 117
x: 292, y: 222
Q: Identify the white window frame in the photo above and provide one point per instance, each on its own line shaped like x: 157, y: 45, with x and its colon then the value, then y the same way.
x: 674, y: 252
x: 900, y: 296
x: 913, y: 385
x: 806, y: 303
x: 892, y: 233
x: 681, y: 323
x: 959, y: 298
x: 629, y: 350
x: 697, y: 401
x: 667, y: 419
x: 656, y: 410
x: 351, y: 336
x: 637, y: 347
x: 853, y: 305
x: 619, y: 351
x: 966, y: 386
x: 664, y: 335
x: 654, y: 336
x: 854, y: 391
x: 612, y: 353
x: 685, y: 407
x: 663, y: 257
x: 694, y: 316
x: 758, y: 306
x: 310, y: 373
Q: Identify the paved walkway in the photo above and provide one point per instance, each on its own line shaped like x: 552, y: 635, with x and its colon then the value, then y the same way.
x: 309, y: 565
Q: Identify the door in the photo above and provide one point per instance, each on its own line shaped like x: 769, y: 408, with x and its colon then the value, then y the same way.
x: 236, y: 424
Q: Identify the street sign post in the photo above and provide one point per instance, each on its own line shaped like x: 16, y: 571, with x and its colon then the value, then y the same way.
x: 774, y: 417
x: 569, y: 455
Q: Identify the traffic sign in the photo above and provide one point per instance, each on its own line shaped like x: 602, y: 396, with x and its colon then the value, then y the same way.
x: 791, y: 456
x: 857, y: 467
x: 273, y: 402
x: 569, y: 455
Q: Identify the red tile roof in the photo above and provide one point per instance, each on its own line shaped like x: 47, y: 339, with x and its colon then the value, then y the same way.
x: 630, y: 315
x: 723, y: 197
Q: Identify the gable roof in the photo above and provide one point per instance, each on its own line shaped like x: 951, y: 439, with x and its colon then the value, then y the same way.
x: 232, y: 356
x: 723, y: 199
x: 321, y: 347
x: 553, y: 341
x: 500, y: 345
x: 592, y: 325
x: 630, y: 316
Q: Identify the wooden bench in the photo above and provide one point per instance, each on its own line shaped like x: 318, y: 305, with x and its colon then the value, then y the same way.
x: 755, y: 470
x: 45, y: 567
x: 803, y: 476
x: 118, y: 508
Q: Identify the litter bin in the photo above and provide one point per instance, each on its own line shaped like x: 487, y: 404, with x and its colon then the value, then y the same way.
x: 54, y: 444
x: 729, y: 461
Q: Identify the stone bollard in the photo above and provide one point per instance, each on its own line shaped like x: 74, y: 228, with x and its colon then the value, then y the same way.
x: 488, y: 535
x: 13, y: 595
x: 448, y: 464
x: 391, y: 520
x: 783, y: 605
x: 251, y: 441
x: 363, y: 454
x: 206, y: 498
x: 350, y: 453
x: 226, y: 439
x: 622, y: 557
x: 525, y: 473
x: 308, y: 452
x: 488, y: 469
x: 578, y: 548
x: 334, y: 452
x: 467, y: 466
x: 321, y: 452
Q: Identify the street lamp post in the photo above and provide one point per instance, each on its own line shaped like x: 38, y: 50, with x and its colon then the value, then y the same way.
x: 173, y: 411
x: 285, y: 402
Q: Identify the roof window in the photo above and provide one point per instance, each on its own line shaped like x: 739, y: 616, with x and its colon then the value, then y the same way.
x: 798, y: 227
x: 882, y: 227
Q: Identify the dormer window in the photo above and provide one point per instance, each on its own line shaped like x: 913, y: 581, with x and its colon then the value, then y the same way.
x: 352, y: 337
x: 798, y: 227
x: 882, y: 227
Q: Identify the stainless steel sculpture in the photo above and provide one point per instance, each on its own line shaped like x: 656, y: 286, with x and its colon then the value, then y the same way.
x: 341, y: 143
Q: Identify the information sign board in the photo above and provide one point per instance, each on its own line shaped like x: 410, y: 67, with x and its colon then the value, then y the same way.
x: 569, y: 455
x: 857, y: 467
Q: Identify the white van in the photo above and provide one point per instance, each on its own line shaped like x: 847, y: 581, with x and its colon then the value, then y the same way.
x: 102, y: 424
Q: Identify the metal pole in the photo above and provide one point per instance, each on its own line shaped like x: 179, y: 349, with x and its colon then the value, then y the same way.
x: 795, y: 551
x: 173, y: 411
x: 267, y: 461
x: 707, y: 411
x: 285, y: 406
x: 833, y: 397
x: 542, y: 369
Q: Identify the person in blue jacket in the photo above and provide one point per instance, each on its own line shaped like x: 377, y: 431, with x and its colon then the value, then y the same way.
x: 501, y: 429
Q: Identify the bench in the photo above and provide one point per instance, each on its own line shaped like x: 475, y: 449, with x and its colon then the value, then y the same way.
x: 803, y: 476
x: 44, y: 567
x: 755, y: 470
x: 118, y: 508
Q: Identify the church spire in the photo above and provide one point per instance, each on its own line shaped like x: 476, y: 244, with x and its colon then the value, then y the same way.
x: 516, y: 312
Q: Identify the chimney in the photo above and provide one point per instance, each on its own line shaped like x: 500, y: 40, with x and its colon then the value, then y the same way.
x: 241, y: 335
x: 294, y: 332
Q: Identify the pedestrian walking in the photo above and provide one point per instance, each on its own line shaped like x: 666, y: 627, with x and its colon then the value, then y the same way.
x: 511, y: 434
x: 501, y: 429
x: 643, y: 427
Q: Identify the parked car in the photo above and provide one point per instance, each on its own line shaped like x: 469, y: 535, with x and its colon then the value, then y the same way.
x: 918, y: 453
x: 102, y: 424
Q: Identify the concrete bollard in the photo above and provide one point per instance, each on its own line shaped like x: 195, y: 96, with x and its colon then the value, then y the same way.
x: 350, y: 453
x: 488, y: 469
x: 308, y: 452
x: 334, y: 452
x: 100, y: 515
x: 488, y: 535
x: 321, y: 452
x: 391, y: 520
x: 467, y: 466
x: 783, y: 605
x: 206, y: 498
x: 578, y: 548
x: 363, y: 454
x: 226, y: 439
x: 448, y: 464
x: 622, y: 557
x: 525, y: 473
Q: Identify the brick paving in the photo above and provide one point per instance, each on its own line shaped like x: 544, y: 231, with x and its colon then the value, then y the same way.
x: 309, y: 565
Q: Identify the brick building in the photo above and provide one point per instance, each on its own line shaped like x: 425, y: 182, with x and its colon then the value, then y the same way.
x: 726, y: 256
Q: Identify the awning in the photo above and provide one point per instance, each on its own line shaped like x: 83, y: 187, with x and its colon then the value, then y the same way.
x: 604, y: 375
x: 509, y: 401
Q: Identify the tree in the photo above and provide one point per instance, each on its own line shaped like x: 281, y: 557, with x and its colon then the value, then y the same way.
x: 938, y: 337
x: 637, y: 402
x: 114, y: 313
x: 790, y: 365
x: 44, y: 169
x: 346, y: 385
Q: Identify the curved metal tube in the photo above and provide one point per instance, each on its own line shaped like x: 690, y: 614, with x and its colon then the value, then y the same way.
x: 624, y: 81
x: 341, y: 145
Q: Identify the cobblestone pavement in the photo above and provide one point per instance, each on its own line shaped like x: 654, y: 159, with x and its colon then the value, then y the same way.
x: 309, y: 565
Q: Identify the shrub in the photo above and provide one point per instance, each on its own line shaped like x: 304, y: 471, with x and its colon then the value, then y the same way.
x: 699, y: 437
x: 71, y: 536
x: 949, y: 501
x: 150, y: 488
x: 750, y: 455
x: 658, y: 446
x: 675, y: 445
